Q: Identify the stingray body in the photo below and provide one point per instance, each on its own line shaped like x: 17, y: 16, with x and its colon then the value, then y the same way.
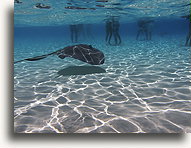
x: 82, y: 52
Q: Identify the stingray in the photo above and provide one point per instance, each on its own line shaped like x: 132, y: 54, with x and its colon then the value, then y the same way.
x: 82, y: 52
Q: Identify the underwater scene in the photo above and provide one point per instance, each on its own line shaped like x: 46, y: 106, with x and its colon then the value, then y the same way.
x: 102, y: 66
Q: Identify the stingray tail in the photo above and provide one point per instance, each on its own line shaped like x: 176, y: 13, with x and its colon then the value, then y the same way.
x: 36, y: 58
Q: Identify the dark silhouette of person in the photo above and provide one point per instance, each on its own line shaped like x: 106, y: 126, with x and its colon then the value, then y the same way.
x: 115, y: 31
x: 145, y: 29
x: 42, y: 6
x: 112, y: 30
x: 141, y: 29
x: 108, y: 26
x: 188, y: 37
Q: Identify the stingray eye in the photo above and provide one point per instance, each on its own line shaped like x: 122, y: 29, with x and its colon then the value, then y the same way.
x: 90, y: 46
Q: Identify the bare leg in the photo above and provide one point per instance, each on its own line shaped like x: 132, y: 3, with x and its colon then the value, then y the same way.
x: 110, y: 35
x: 107, y: 35
x: 115, y: 38
x: 119, y: 39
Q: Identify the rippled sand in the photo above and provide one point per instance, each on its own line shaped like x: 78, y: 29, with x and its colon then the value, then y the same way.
x: 143, y: 87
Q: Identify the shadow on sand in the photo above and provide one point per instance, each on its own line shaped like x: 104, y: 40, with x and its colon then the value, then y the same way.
x: 80, y: 70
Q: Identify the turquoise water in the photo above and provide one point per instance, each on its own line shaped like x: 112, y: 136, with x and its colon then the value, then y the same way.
x: 143, y: 86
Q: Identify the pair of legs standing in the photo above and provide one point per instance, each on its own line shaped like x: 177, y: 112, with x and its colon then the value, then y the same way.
x: 112, y: 30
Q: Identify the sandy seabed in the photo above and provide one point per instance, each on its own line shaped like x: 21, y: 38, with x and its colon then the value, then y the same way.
x: 143, y: 87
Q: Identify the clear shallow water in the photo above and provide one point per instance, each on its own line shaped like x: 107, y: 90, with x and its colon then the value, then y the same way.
x: 143, y: 86
x: 145, y: 89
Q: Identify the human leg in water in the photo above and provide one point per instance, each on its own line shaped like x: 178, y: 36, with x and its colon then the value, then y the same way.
x: 108, y: 31
x: 117, y: 38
